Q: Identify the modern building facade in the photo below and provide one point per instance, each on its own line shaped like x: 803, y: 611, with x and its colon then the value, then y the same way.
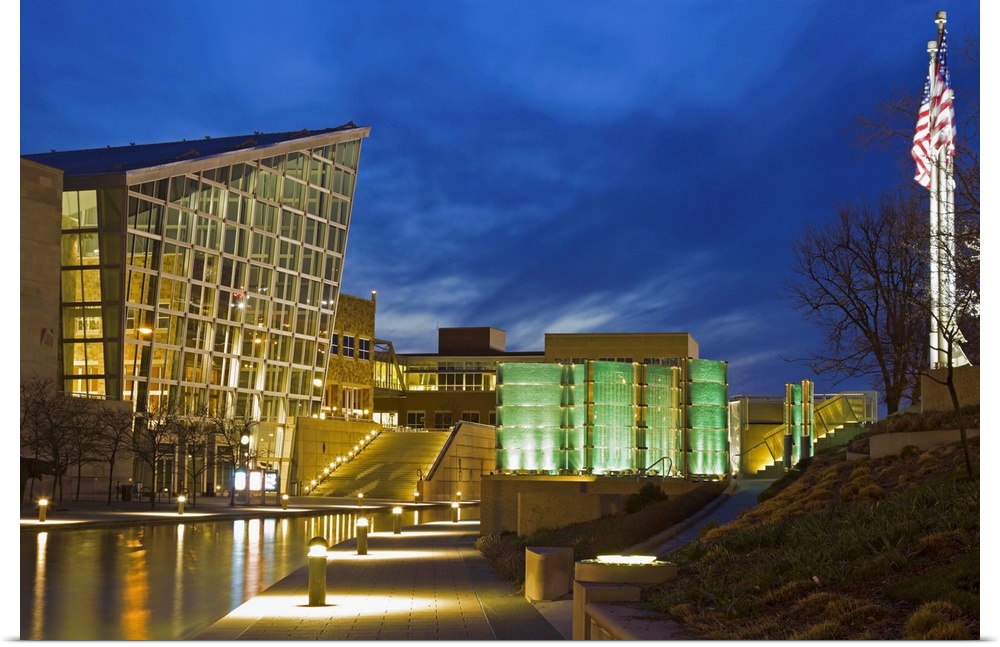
x: 203, y: 273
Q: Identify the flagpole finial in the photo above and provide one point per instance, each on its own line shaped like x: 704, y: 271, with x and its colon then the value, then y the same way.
x: 941, y: 17
x: 932, y: 46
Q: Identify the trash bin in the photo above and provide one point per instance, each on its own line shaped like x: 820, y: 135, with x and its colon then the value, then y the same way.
x: 126, y: 493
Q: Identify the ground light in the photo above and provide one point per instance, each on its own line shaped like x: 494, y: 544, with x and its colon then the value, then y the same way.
x: 454, y: 511
x: 317, y: 571
x: 180, y: 504
x: 361, y: 498
x: 626, y: 559
x: 416, y: 496
x: 397, y: 520
x: 43, y: 506
x: 362, y: 533
x: 284, y: 501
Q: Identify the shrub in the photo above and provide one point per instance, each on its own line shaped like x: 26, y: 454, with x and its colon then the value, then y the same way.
x: 936, y: 621
x: 827, y: 630
x: 649, y: 493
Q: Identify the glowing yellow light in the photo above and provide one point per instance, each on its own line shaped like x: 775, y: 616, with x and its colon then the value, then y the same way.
x: 626, y: 559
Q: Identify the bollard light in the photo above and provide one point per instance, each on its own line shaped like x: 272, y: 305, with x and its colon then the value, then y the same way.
x: 43, y: 506
x: 416, y: 496
x: 362, y: 531
x: 458, y: 496
x: 454, y: 511
x: 317, y: 572
x: 397, y: 520
x: 180, y: 504
x: 361, y: 498
x: 284, y: 501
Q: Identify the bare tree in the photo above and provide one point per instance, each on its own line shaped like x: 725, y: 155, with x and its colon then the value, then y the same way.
x: 195, y: 448
x: 959, y: 260
x: 856, y: 279
x: 229, y: 431
x: 50, y: 422
x: 155, y: 436
x: 115, y: 439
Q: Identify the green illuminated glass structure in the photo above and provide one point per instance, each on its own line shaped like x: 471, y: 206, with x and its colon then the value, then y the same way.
x: 605, y: 417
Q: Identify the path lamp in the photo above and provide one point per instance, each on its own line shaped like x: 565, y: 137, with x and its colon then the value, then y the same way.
x: 317, y: 572
x: 180, y: 503
x: 43, y: 506
x: 362, y: 531
x: 416, y: 496
x: 454, y: 511
x: 361, y: 498
x: 458, y: 496
x: 397, y: 520
x: 284, y: 501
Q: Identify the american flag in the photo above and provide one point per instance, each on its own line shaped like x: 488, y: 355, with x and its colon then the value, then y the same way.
x: 943, y: 135
x: 936, y: 118
x: 922, y: 138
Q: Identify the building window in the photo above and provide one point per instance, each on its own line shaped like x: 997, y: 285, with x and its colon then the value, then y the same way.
x: 442, y: 419
x: 348, y: 346
x: 415, y: 419
x: 364, y: 349
x: 470, y: 416
x: 334, y: 345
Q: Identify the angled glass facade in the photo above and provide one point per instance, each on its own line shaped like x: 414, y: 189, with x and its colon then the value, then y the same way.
x: 213, y: 282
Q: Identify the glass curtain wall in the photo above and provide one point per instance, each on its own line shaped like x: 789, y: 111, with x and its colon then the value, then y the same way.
x: 231, y: 277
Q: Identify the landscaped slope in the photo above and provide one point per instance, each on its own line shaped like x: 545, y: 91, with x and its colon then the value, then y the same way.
x: 867, y: 550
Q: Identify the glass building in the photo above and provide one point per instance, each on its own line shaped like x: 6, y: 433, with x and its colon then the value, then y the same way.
x: 206, y: 272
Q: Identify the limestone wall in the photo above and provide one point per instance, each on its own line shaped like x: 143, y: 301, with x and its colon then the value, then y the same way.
x: 934, y: 396
x: 471, y: 453
x: 523, y: 504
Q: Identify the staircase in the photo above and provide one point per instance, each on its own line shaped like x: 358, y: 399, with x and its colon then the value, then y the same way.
x: 836, y: 422
x: 388, y: 468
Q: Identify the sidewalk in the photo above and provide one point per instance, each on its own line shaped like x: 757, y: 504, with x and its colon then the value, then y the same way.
x: 426, y: 583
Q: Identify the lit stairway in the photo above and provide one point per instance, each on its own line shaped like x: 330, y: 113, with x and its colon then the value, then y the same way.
x: 388, y: 468
x: 840, y: 436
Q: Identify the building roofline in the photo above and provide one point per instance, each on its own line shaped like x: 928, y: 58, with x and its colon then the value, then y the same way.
x: 134, y: 163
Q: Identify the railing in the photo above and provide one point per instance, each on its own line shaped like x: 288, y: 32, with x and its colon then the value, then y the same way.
x: 643, y: 471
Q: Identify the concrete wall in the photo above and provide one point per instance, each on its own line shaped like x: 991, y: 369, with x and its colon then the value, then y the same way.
x: 471, y: 453
x: 41, y: 222
x: 891, y: 444
x: 522, y: 504
x: 934, y: 395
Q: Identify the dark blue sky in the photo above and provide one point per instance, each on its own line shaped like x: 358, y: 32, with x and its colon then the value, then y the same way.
x: 621, y: 166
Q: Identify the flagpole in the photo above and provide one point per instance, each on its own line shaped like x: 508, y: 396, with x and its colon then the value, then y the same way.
x: 935, y: 345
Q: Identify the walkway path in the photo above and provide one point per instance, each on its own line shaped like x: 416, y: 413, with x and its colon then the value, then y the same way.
x: 426, y: 583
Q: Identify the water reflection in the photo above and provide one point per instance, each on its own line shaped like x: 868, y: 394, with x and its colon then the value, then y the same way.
x: 167, y: 581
